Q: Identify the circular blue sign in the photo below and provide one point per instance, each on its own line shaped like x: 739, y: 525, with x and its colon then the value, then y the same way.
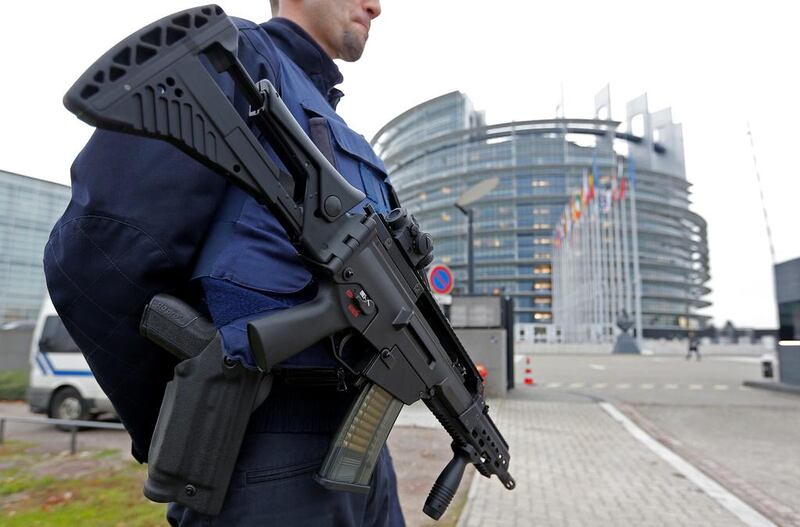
x: 440, y: 279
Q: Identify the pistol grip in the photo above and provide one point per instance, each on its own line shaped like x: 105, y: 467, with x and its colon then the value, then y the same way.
x: 176, y: 326
x: 279, y: 336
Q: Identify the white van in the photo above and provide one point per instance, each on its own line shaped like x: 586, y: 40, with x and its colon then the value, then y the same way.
x: 61, y: 383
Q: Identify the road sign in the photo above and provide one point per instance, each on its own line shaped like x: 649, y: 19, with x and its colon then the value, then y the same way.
x: 440, y: 278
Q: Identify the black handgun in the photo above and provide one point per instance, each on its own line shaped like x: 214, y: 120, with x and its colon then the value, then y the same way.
x: 369, y: 269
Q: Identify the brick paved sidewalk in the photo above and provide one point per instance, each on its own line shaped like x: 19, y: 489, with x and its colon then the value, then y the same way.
x: 575, y: 466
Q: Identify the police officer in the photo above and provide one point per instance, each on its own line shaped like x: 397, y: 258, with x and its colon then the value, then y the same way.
x: 247, y: 268
x: 242, y: 266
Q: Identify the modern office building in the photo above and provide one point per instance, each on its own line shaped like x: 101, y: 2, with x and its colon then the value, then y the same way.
x: 440, y: 148
x: 787, y: 286
x: 28, y: 210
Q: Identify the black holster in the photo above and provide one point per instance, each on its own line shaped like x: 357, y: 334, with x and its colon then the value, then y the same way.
x: 205, y: 411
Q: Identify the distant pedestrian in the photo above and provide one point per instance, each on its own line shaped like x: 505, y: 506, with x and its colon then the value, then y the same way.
x: 694, y: 347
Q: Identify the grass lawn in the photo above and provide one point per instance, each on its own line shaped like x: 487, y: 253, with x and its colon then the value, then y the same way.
x: 87, y: 490
x: 13, y: 385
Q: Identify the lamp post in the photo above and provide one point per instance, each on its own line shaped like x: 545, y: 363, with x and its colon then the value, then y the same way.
x: 471, y: 195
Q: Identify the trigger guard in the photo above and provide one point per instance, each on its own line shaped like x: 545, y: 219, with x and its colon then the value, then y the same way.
x: 338, y: 343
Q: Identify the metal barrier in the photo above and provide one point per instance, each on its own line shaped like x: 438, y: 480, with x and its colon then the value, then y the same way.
x: 74, y: 426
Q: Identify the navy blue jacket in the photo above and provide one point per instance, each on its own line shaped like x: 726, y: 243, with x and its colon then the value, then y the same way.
x: 140, y: 218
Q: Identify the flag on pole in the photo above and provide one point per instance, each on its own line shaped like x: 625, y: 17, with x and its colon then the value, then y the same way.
x: 594, y: 177
x: 585, y: 189
x: 622, y: 188
x: 604, y: 200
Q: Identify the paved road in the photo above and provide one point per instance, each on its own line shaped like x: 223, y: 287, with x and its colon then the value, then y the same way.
x: 575, y: 466
x: 47, y: 438
x: 746, y: 438
x: 657, y: 380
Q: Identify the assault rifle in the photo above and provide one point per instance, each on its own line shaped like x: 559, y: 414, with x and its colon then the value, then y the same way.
x: 160, y: 82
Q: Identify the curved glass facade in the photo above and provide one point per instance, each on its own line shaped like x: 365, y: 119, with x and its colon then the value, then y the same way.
x: 438, y: 149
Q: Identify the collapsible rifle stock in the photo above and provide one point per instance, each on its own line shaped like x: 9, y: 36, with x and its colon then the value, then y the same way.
x: 159, y: 82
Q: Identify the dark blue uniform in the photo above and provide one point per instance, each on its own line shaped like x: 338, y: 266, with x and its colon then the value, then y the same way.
x: 180, y: 222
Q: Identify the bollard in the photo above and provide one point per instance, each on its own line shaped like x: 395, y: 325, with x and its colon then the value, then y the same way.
x: 73, y: 440
x: 766, y: 368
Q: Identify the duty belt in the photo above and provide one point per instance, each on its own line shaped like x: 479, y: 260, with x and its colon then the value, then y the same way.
x: 312, y: 378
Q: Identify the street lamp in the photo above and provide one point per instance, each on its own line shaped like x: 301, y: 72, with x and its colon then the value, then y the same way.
x: 471, y: 195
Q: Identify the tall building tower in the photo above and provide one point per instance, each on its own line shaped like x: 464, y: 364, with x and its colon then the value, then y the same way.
x: 28, y: 210
x: 436, y: 150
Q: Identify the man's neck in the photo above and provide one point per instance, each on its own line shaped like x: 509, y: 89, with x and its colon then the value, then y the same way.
x: 299, y: 17
x: 303, y: 50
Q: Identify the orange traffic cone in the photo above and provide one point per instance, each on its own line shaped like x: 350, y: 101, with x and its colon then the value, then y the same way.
x: 528, y: 379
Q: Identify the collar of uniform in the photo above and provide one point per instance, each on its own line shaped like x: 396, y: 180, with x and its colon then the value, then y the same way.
x: 308, y: 55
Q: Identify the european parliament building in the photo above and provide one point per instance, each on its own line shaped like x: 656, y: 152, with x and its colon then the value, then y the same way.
x: 28, y: 210
x: 440, y: 148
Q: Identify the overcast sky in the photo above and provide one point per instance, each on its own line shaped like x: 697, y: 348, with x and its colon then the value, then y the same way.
x: 718, y: 65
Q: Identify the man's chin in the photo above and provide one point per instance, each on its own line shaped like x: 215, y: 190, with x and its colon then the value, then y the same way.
x: 352, y: 47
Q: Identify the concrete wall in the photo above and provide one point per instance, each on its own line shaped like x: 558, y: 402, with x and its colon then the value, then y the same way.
x: 14, y: 348
x: 488, y: 347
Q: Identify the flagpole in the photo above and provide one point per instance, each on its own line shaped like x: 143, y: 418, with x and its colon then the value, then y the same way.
x: 626, y: 265
x: 562, y: 292
x: 636, y: 275
x: 608, y: 241
x: 567, y: 291
x: 574, y: 313
x: 555, y: 276
x: 605, y: 263
x: 613, y: 257
x: 577, y: 290
x: 591, y: 282
x: 616, y: 213
x: 562, y: 320
x: 612, y: 268
x: 561, y: 287
x: 580, y: 291
x: 598, y: 242
x: 588, y: 296
x: 761, y: 193
x: 598, y: 258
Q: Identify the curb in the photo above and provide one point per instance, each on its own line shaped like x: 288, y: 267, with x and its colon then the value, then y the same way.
x: 773, y: 386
